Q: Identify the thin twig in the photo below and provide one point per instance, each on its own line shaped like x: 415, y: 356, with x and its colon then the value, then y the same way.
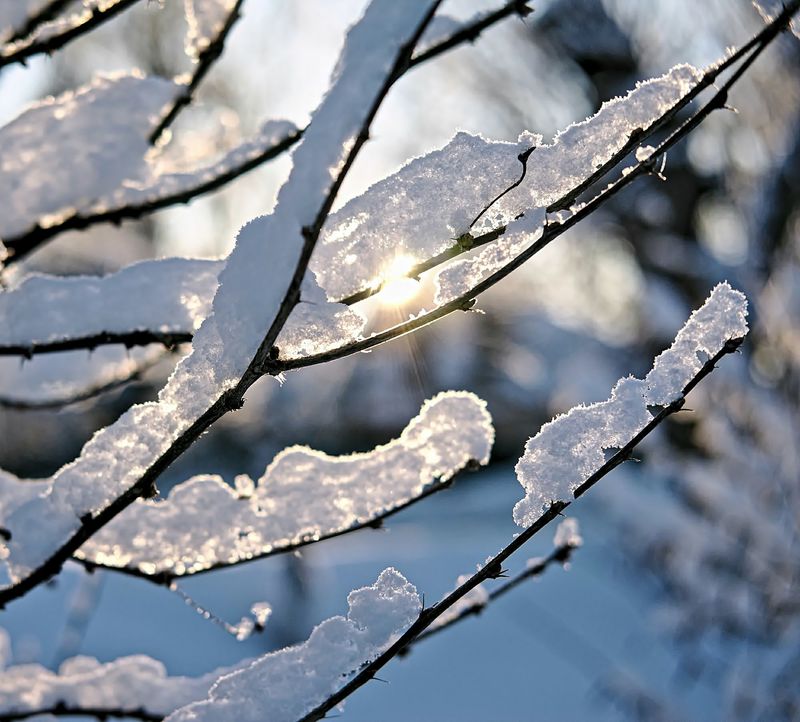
x: 493, y: 566
x: 93, y: 18
x: 129, y: 339
x: 91, y: 392
x: 559, y: 555
x: 46, y: 12
x: 203, y: 64
x: 101, y: 713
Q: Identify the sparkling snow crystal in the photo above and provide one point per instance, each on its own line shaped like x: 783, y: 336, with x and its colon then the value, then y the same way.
x: 570, y: 448
x: 303, y: 494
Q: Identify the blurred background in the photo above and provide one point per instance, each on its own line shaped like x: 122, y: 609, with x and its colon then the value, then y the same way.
x: 684, y: 601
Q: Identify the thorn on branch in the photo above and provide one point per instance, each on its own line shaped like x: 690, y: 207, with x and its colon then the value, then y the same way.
x: 494, y: 570
x: 472, y: 465
x: 150, y: 491
x: 522, y: 9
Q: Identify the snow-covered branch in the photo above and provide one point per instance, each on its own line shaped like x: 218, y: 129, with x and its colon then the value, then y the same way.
x: 304, y: 496
x: 714, y: 330
x: 147, y: 191
x: 49, y: 36
x: 210, y: 21
x: 122, y: 462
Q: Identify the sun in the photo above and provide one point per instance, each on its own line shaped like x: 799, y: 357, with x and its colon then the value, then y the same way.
x: 397, y: 288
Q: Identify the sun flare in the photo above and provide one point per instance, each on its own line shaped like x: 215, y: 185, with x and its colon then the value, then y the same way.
x: 397, y: 287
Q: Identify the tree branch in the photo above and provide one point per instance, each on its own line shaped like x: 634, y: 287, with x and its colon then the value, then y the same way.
x: 21, y: 245
x: 101, y: 713
x: 492, y: 568
x: 560, y: 555
x: 46, y: 13
x: 554, y: 229
x: 233, y: 398
x: 375, y: 522
x: 91, y: 392
x: 20, y: 51
x: 204, y: 62
x: 263, y: 363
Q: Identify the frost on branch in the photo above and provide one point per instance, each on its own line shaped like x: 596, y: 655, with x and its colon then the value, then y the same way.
x: 164, y: 296
x: 304, y: 494
x: 15, y: 15
x: 419, y: 211
x: 287, y: 684
x: 282, y: 685
x: 48, y: 177
x: 167, y: 295
x: 205, y: 19
x: 252, y: 289
x: 128, y: 683
x: 571, y: 447
x: 46, y: 171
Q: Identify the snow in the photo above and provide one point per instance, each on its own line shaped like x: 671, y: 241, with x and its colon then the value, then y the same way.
x: 48, y: 170
x: 722, y: 317
x: 568, y: 534
x: 205, y: 18
x: 252, y: 288
x: 48, y: 175
x: 770, y: 9
x: 65, y: 23
x: 53, y: 377
x: 570, y: 448
x: 167, y: 295
x: 170, y: 295
x: 303, y: 494
x: 457, y: 278
x: 85, y: 682
x: 422, y: 209
x: 287, y: 684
